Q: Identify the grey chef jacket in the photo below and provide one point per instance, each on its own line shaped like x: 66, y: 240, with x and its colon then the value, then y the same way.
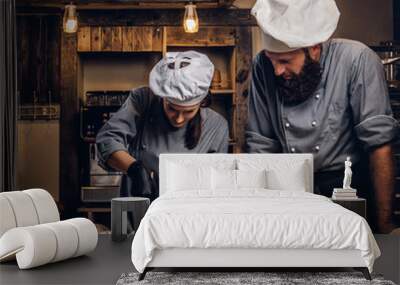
x: 143, y: 113
x: 350, y: 110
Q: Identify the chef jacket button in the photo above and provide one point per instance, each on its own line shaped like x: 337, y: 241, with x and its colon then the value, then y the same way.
x: 293, y: 149
x: 316, y: 147
x: 317, y: 96
x: 287, y: 125
x: 314, y: 123
x: 144, y: 146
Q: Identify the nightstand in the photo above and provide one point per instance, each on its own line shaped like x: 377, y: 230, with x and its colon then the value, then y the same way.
x: 119, y: 217
x: 357, y: 205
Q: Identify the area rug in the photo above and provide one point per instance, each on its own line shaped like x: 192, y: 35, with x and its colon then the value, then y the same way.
x: 244, y: 278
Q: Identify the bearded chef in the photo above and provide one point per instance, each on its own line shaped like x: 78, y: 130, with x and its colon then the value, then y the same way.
x: 313, y: 94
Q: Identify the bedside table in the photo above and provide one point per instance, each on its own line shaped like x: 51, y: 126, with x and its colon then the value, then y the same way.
x: 357, y: 205
x: 119, y: 217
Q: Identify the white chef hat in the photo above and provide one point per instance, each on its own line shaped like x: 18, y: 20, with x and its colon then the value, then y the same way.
x: 183, y: 78
x: 288, y: 25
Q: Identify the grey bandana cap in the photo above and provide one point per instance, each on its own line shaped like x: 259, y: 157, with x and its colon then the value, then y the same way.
x: 183, y: 78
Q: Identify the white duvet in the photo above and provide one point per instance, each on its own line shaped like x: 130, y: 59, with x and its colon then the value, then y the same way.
x: 252, y: 218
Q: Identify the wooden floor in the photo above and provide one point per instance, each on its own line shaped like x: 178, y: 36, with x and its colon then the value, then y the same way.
x: 110, y: 260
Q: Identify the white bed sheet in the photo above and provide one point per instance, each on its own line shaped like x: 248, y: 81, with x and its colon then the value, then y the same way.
x: 251, y: 218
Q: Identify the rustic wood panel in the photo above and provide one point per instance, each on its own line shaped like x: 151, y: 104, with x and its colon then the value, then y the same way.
x: 53, y: 64
x: 38, y: 72
x: 171, y: 17
x: 95, y: 38
x: 40, y: 75
x: 69, y: 127
x: 25, y: 87
x: 396, y: 20
x: 157, y: 41
x: 116, y: 44
x: 127, y: 39
x: 106, y: 39
x: 126, y: 4
x: 243, y: 63
x: 141, y: 39
x: 206, y: 36
x: 84, y: 39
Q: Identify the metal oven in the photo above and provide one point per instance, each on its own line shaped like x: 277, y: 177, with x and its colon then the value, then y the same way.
x: 97, y: 184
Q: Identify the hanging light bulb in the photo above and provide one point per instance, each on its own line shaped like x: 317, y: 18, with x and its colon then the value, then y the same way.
x: 190, y: 20
x: 70, y: 21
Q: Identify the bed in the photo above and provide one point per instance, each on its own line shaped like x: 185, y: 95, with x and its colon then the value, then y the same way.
x: 247, y: 211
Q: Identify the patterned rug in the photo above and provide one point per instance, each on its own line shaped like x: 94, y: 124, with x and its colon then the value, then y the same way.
x: 243, y: 278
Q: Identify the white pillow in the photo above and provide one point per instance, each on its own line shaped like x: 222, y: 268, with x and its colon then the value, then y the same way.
x: 226, y: 179
x: 182, y: 177
x: 293, y: 180
x: 251, y: 178
x: 283, y: 174
x: 223, y: 179
x: 184, y: 174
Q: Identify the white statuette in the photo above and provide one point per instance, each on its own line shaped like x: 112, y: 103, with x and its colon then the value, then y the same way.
x: 347, y: 174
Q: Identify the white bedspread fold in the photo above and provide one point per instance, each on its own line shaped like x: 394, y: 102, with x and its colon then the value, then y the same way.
x: 252, y: 218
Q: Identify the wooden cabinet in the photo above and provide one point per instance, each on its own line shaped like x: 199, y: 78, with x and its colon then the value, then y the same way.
x: 206, y: 36
x: 119, y: 39
x: 219, y: 44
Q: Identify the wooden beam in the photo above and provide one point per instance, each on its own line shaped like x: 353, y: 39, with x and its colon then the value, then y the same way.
x: 126, y: 4
x: 116, y: 44
x: 206, y: 36
x: 95, y: 38
x: 84, y: 39
x: 151, y: 17
x: 69, y: 130
x: 209, y: 17
x: 106, y: 39
x: 243, y: 64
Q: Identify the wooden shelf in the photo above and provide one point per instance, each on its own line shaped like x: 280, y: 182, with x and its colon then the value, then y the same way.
x: 205, y: 37
x: 201, y: 45
x: 222, y: 91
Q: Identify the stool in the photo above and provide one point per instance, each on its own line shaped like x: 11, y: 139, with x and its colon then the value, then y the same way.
x: 119, y: 220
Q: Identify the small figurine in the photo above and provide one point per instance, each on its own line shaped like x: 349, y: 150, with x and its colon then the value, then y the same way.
x: 347, y: 174
x: 345, y: 193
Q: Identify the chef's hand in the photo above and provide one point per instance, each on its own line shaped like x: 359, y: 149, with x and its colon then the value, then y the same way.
x: 140, y: 179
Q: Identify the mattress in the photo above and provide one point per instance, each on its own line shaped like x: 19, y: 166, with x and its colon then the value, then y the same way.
x: 251, y: 219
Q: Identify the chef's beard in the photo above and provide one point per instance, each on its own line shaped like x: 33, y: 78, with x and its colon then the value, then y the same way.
x: 300, y: 87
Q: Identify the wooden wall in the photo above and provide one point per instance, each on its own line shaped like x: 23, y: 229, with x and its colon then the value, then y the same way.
x: 38, y: 43
x: 49, y: 61
x: 396, y: 20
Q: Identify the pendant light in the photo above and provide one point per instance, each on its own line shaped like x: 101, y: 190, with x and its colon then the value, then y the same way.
x: 70, y: 21
x: 190, y: 20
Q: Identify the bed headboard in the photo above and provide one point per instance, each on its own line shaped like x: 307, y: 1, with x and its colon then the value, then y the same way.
x: 212, y: 159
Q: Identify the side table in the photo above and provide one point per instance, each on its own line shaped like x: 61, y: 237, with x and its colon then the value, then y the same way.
x: 119, y: 218
x: 357, y: 205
